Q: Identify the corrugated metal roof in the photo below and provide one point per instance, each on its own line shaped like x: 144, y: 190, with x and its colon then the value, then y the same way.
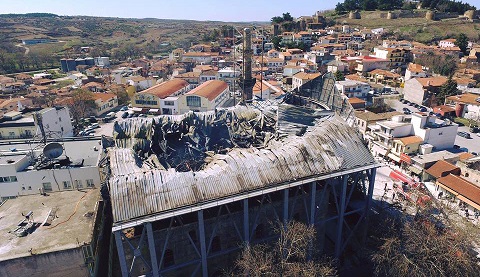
x: 138, y: 189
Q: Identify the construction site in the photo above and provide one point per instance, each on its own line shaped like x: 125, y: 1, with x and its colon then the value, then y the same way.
x: 188, y: 191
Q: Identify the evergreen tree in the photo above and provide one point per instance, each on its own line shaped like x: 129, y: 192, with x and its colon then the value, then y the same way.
x: 462, y: 42
x: 339, y: 76
x: 447, y: 89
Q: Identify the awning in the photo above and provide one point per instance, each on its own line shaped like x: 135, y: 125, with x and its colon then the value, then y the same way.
x: 136, y: 109
x: 153, y: 111
x: 469, y: 202
x: 379, y: 150
x: 415, y: 170
x: 394, y: 157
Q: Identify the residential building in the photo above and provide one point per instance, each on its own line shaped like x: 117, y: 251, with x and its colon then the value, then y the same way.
x: 193, y: 78
x: 55, y: 122
x: 422, y: 90
x: 413, y: 71
x: 334, y: 66
x: 105, y: 102
x: 357, y: 103
x: 207, y: 76
x: 380, y: 76
x: 396, y: 56
x: 466, y: 105
x: 229, y: 75
x: 369, y: 63
x: 353, y: 88
x: 205, y: 97
x: 420, y: 163
x: 161, y: 98
x: 24, y: 174
x: 441, y: 169
x: 366, y: 119
x: 140, y: 83
x: 408, y: 145
x: 462, y: 191
x: 302, y: 78
x: 199, y: 57
x: 445, y: 43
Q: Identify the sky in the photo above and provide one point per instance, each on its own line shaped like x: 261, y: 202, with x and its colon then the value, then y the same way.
x: 215, y: 10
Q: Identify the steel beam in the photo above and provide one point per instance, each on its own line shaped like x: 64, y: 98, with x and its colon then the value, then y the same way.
x: 246, y: 222
x: 371, y: 185
x: 338, y: 242
x: 313, y: 191
x: 121, y: 254
x: 151, y: 247
x: 285, y: 207
x: 203, y: 247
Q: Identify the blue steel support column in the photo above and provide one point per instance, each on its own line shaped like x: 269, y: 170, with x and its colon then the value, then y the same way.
x: 338, y: 242
x: 313, y: 191
x: 371, y: 185
x: 153, y: 252
x: 121, y: 254
x: 203, y: 247
x: 285, y: 207
x: 246, y: 223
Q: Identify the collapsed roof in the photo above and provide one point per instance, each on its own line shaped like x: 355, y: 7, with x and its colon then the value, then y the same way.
x: 170, y: 162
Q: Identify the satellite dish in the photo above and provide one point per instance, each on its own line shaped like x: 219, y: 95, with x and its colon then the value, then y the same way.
x: 53, y: 150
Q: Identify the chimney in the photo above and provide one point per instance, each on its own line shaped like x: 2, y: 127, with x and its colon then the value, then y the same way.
x: 247, y: 82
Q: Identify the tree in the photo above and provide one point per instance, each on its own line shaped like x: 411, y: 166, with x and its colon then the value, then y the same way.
x: 287, y: 17
x: 462, y: 42
x: 339, y: 76
x: 447, y: 89
x: 425, y: 248
x: 276, y: 40
x: 288, y: 256
x: 82, y: 104
x: 277, y: 19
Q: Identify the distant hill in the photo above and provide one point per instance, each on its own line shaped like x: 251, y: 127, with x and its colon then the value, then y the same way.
x: 385, y: 5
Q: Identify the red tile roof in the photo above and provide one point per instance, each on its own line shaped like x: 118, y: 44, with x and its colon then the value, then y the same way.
x: 210, y: 89
x: 167, y: 88
x: 462, y: 187
x: 442, y: 167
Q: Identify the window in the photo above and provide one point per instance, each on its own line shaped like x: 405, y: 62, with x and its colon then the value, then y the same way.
x: 78, y: 184
x: 90, y: 183
x: 29, y: 187
x: 8, y: 179
x: 12, y: 134
x: 23, y: 188
x: 194, y: 101
x: 67, y: 185
x: 169, y: 103
x: 60, y: 119
x: 47, y: 186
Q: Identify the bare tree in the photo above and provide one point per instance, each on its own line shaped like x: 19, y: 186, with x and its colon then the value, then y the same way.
x: 424, y: 245
x: 291, y: 255
x: 82, y: 104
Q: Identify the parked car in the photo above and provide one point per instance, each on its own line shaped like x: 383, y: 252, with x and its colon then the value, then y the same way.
x: 93, y: 119
x: 422, y: 109
x: 125, y: 115
x: 407, y: 111
x: 474, y: 129
x: 464, y: 134
x: 411, y: 104
x: 94, y: 126
x: 142, y: 115
x: 124, y: 108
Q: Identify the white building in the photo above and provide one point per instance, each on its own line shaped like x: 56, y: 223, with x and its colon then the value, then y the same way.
x: 205, y: 97
x: 229, y: 75
x: 413, y: 71
x: 24, y: 170
x: 302, y: 78
x: 102, y: 61
x: 55, y: 122
x: 447, y: 43
x: 353, y: 88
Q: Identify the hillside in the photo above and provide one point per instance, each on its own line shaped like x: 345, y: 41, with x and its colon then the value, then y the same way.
x: 116, y: 37
x: 415, y: 27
